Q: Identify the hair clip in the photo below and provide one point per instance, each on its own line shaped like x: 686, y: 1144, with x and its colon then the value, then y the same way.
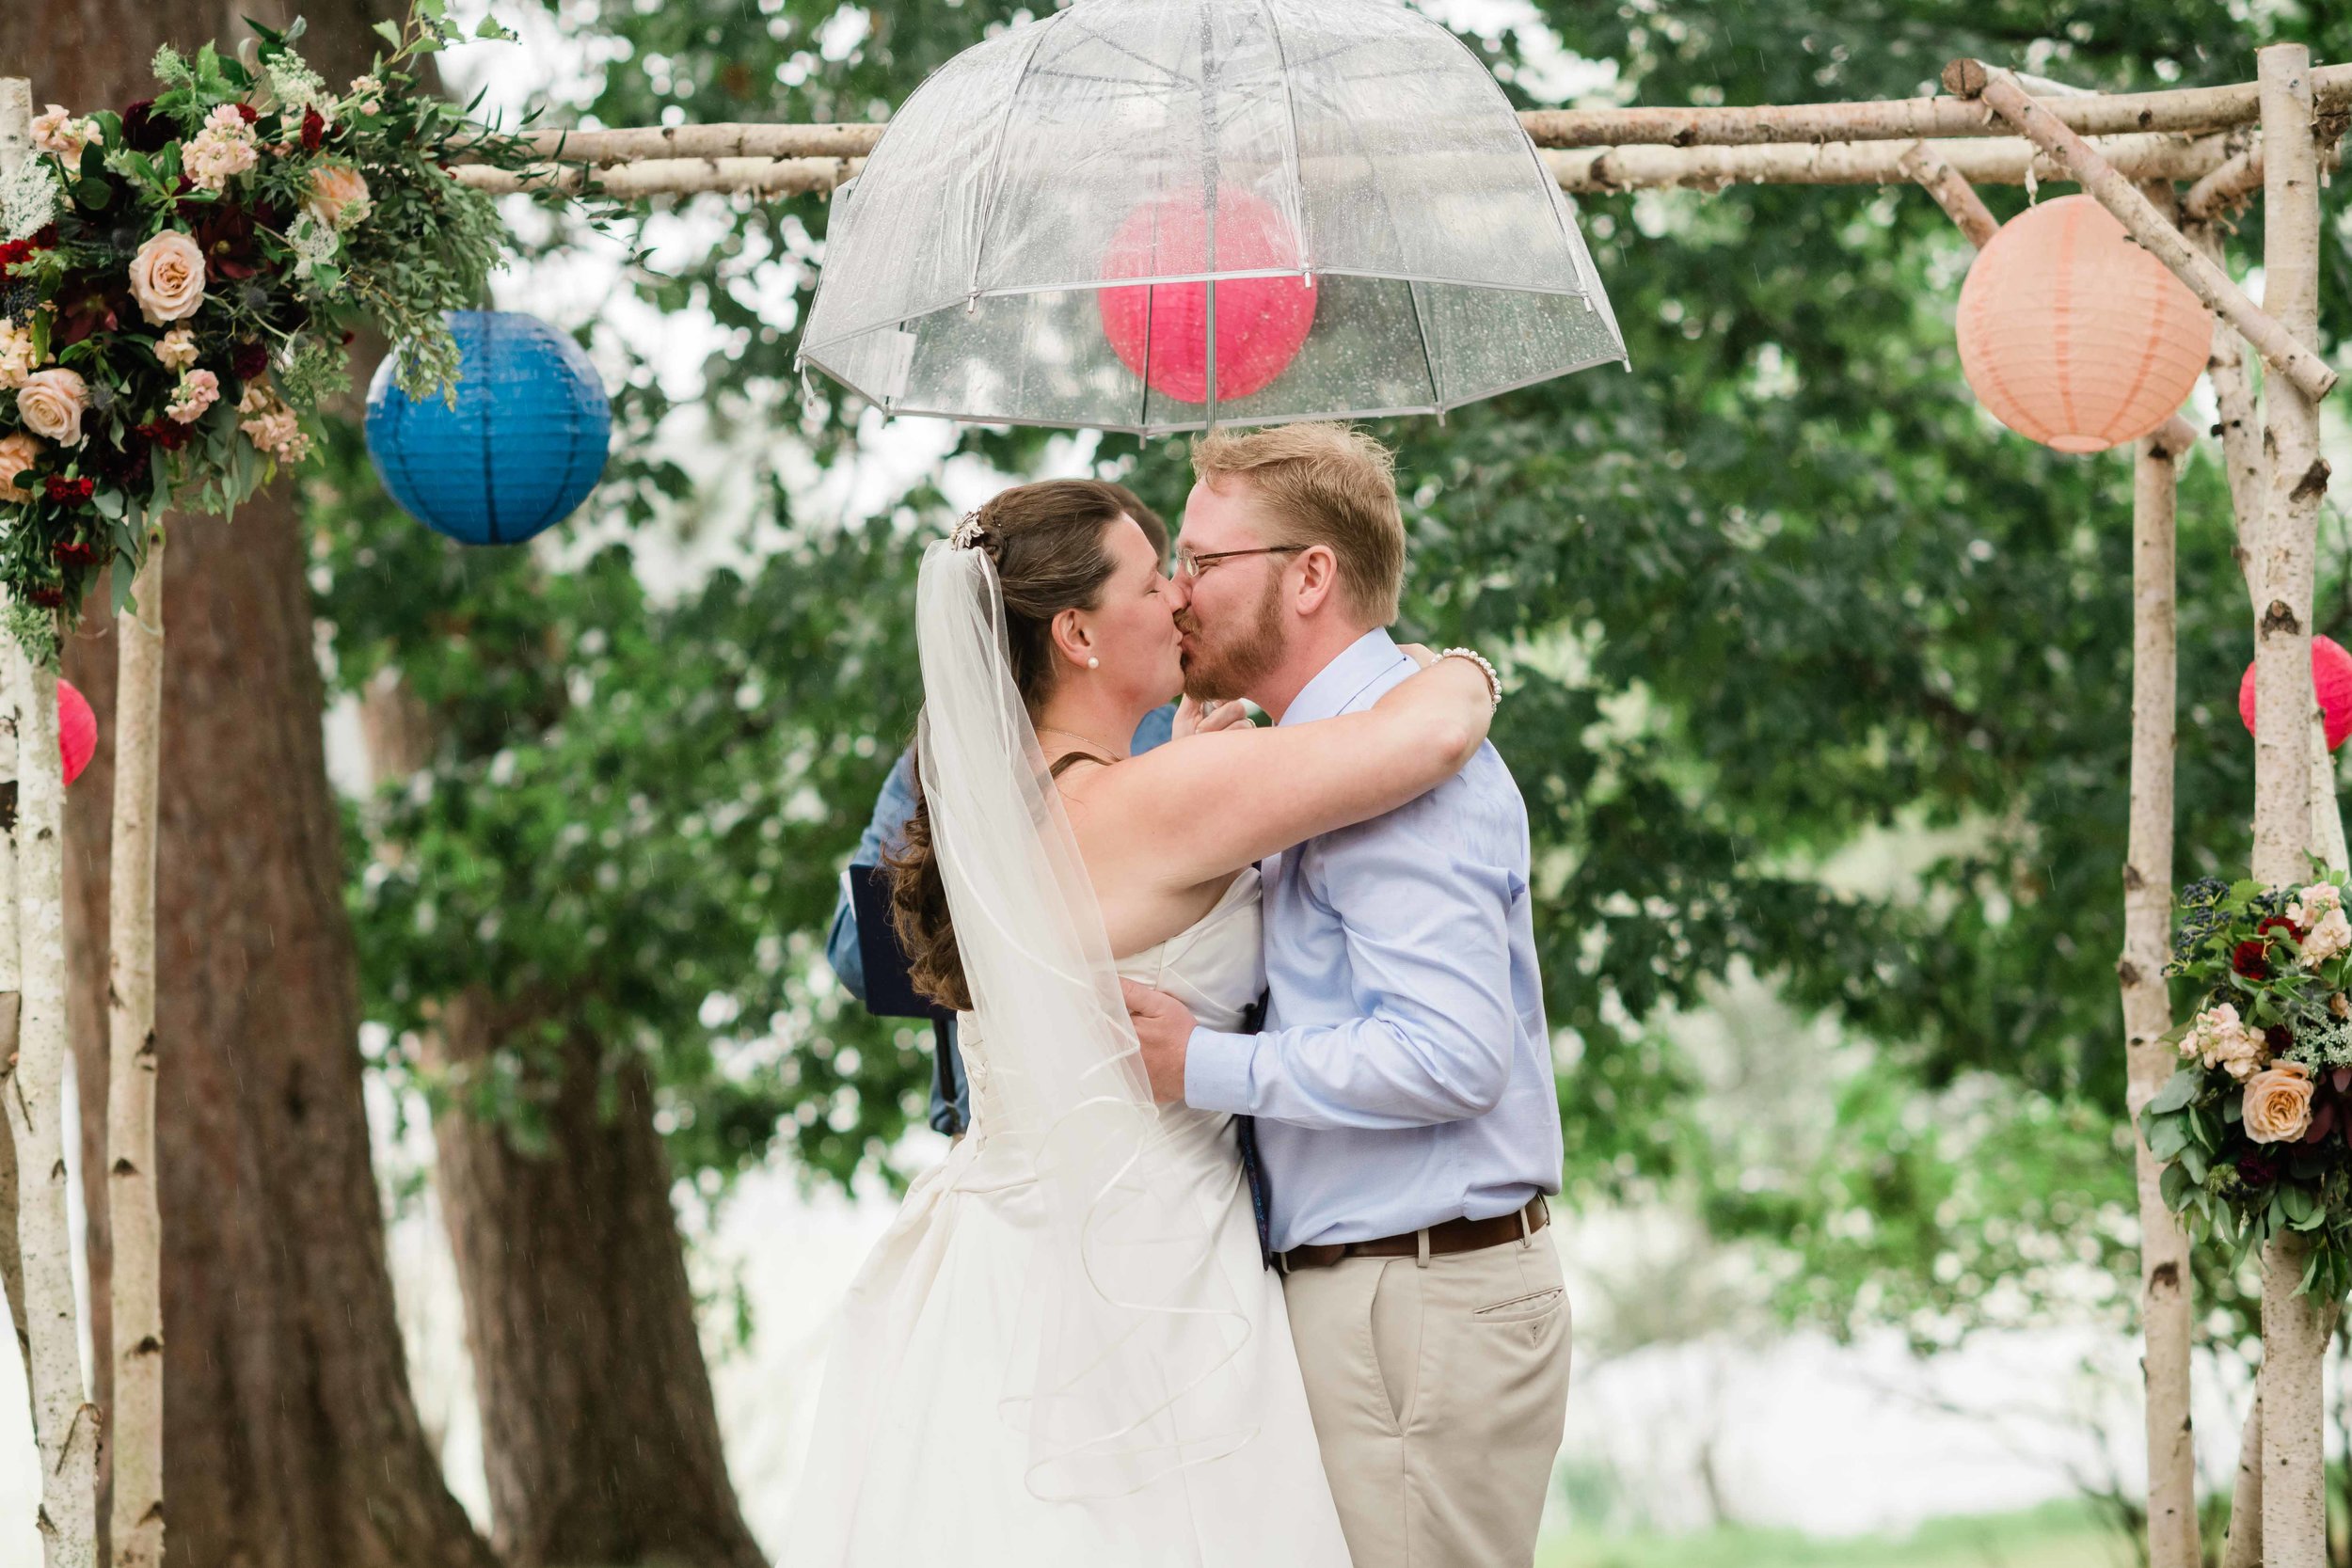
x: 969, y: 534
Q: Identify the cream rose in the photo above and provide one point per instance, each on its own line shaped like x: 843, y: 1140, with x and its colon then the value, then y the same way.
x: 17, y: 453
x: 167, y: 278
x: 339, y: 197
x: 2277, y: 1106
x: 51, y: 402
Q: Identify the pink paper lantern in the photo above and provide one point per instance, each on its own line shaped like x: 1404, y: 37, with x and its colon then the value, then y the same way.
x: 2072, y: 335
x: 2331, y: 673
x: 77, y: 730
x: 1161, y: 332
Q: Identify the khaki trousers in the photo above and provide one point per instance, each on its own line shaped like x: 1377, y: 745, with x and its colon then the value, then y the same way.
x: 1438, y: 1392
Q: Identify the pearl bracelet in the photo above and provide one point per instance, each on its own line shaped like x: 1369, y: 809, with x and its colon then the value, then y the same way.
x: 1494, y: 682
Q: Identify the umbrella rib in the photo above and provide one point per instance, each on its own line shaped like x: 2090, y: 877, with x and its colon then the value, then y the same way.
x: 1543, y: 173
x: 996, y: 163
x: 1428, y: 363
x: 1168, y: 77
x: 1290, y: 111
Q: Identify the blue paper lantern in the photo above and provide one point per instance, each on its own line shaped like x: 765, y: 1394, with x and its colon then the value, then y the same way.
x: 523, y: 447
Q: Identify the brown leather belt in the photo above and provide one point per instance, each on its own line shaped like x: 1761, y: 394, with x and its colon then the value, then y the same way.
x: 1451, y: 1236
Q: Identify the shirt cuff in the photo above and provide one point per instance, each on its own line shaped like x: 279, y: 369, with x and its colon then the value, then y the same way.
x: 1217, y: 1071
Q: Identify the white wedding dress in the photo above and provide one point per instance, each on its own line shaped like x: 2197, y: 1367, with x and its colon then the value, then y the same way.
x: 915, y: 1462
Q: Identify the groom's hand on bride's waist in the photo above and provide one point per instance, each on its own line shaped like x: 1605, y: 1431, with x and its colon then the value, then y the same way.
x: 1164, y: 1025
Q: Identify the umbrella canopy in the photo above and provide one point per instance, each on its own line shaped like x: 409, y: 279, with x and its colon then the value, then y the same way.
x: 1154, y: 215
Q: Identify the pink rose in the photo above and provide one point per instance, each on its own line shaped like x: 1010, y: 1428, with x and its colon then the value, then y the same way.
x: 339, y: 197
x: 167, y: 278
x: 17, y: 451
x: 2278, y: 1106
x: 51, y: 402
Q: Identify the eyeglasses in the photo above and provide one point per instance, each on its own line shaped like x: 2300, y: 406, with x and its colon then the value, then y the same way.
x: 1189, y: 566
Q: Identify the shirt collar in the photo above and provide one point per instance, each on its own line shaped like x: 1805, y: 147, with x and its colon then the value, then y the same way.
x: 1341, y: 681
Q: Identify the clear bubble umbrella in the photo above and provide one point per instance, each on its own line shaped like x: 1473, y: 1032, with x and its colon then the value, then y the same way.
x: 1154, y: 215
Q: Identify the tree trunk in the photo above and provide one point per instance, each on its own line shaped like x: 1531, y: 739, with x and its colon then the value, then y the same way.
x: 598, y: 1429
x: 2172, y: 1537
x: 2294, y: 1336
x: 291, y: 1439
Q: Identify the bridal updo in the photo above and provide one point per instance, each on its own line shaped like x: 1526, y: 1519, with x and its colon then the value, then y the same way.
x: 1048, y: 543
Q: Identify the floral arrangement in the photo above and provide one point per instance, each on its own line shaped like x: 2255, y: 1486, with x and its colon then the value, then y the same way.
x: 179, y: 281
x: 2253, y: 1124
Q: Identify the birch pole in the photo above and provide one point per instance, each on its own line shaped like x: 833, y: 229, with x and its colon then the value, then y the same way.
x: 2236, y: 424
x: 2295, y: 1325
x: 2173, y: 1538
x: 2164, y: 1295
x: 137, y: 1428
x: 11, y: 999
x: 65, y: 1423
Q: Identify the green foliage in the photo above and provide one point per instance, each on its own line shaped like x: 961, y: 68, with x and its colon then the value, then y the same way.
x: 2270, y: 966
x: 295, y: 212
x: 1781, y: 591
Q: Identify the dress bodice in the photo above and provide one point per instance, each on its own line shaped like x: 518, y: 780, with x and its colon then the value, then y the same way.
x: 1215, y: 966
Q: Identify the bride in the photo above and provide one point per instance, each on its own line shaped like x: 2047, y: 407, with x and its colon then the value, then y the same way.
x: 1065, y: 1353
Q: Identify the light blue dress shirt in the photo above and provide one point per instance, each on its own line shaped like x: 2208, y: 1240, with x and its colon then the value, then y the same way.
x: 1405, y: 1074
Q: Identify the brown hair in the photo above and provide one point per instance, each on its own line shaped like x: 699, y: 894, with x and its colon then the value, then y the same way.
x: 1047, y: 542
x: 1328, y: 484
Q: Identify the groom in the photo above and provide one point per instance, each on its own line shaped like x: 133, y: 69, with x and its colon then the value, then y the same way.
x: 1406, y: 1119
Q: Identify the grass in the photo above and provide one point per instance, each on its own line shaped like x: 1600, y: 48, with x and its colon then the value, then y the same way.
x: 2057, y: 1535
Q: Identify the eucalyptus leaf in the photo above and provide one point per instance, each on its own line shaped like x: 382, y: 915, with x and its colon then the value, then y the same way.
x: 2179, y: 1089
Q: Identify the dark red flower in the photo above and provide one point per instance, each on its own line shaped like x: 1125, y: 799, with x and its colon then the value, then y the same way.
x: 15, y: 251
x: 48, y: 598
x: 249, y: 360
x: 2278, y: 923
x: 72, y: 492
x: 72, y: 552
x: 224, y: 233
x: 2255, y: 1171
x: 168, y: 434
x: 144, y: 129
x: 2250, y: 958
x: 249, y: 113
x: 88, y: 305
x: 313, y: 129
x: 123, y: 466
x: 45, y: 237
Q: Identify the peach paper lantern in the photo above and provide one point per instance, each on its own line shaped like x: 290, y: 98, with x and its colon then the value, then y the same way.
x: 2072, y: 335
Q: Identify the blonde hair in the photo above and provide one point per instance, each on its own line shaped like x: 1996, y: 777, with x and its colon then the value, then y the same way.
x: 1328, y: 484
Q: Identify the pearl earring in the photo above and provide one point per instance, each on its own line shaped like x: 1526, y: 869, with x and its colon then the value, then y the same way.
x: 1094, y: 664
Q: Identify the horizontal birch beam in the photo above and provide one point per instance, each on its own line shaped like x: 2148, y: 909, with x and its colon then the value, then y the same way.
x: 1979, y: 160
x: 2116, y: 191
x: 1588, y: 171
x: 2194, y: 111
x: 2234, y: 184
x: 670, y: 176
